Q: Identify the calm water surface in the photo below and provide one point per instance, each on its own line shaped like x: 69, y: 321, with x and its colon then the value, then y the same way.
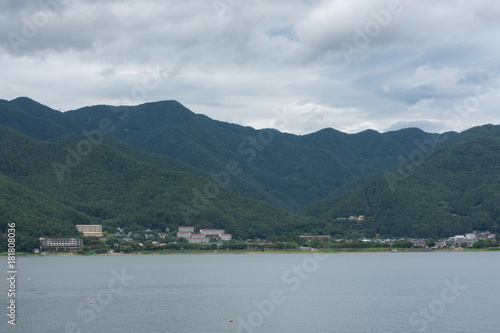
x: 372, y: 292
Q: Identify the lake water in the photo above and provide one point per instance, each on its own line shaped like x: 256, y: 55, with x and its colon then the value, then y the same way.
x: 359, y: 292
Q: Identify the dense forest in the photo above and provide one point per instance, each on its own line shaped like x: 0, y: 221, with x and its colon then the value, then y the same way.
x: 159, y: 165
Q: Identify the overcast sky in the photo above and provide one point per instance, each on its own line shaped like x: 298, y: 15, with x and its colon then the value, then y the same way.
x: 294, y: 65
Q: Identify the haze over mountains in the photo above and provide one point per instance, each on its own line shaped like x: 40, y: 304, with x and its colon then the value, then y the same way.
x: 159, y: 165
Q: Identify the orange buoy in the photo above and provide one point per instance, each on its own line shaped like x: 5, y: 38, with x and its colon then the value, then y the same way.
x: 230, y: 320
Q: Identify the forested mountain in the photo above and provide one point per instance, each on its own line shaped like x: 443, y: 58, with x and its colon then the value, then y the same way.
x: 159, y: 165
x: 109, y: 188
x: 449, y: 189
x: 285, y: 170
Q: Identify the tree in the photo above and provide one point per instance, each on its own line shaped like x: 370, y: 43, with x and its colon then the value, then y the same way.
x: 431, y: 242
x: 402, y: 244
x: 126, y: 248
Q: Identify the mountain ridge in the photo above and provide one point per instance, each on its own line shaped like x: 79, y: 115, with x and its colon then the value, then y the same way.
x: 117, y: 162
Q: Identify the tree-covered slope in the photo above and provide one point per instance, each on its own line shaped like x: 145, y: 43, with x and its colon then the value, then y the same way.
x: 36, y: 120
x: 115, y: 190
x: 35, y: 215
x: 285, y: 170
x: 451, y: 188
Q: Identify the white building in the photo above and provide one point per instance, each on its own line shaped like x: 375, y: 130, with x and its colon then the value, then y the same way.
x: 470, y: 236
x: 198, y: 240
x: 197, y: 236
x: 190, y: 229
x: 225, y: 237
x: 90, y: 230
x: 216, y: 232
x: 184, y: 234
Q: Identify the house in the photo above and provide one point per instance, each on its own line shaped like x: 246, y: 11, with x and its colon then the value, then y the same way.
x: 189, y: 229
x: 458, y: 239
x: 162, y: 235
x: 418, y: 242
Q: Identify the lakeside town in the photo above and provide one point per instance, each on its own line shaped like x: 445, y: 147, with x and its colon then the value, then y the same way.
x: 94, y: 240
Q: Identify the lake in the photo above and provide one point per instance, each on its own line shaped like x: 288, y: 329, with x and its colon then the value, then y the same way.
x: 358, y: 292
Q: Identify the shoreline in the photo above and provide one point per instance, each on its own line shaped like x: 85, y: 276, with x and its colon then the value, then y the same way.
x: 212, y: 252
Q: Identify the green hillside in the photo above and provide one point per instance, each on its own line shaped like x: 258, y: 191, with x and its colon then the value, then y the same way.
x: 288, y: 171
x: 35, y: 215
x: 285, y: 170
x: 158, y: 165
x: 455, y: 189
x: 110, y: 188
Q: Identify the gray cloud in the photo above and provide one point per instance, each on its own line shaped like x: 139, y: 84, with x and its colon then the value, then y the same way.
x: 262, y: 63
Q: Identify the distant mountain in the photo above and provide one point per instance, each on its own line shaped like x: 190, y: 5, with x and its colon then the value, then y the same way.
x: 442, y: 190
x: 36, y: 120
x: 285, y: 170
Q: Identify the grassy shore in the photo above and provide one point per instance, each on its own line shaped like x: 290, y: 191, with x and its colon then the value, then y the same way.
x: 266, y: 251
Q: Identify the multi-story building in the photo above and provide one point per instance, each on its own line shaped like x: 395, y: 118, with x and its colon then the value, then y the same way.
x: 61, y: 243
x: 93, y: 230
x: 197, y: 236
x: 198, y: 240
x: 225, y: 237
x: 190, y: 229
x: 184, y: 234
x: 216, y: 232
